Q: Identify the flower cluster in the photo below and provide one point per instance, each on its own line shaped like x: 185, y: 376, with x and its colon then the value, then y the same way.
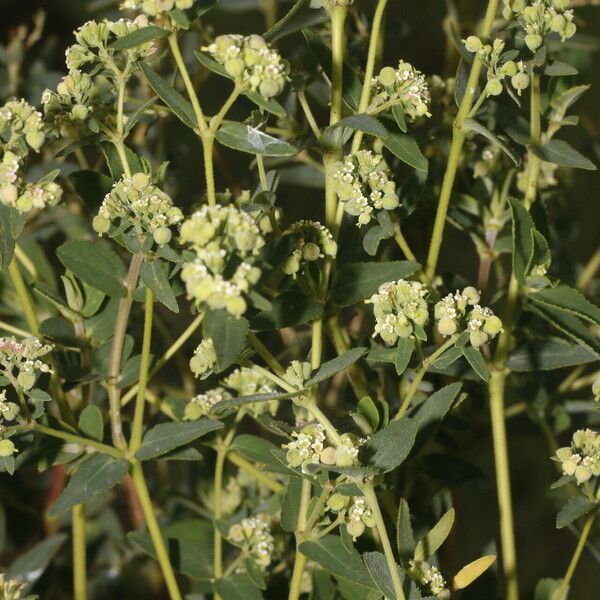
x: 94, y: 48
x: 79, y: 105
x: 250, y: 61
x: 399, y: 307
x: 498, y: 68
x: 9, y: 411
x: 452, y: 311
x: 21, y: 128
x: 246, y: 381
x: 202, y: 404
x: 404, y: 86
x: 541, y: 18
x: 310, y: 447
x: 582, y: 458
x: 253, y: 535
x: 203, y: 359
x: 156, y: 7
x: 10, y: 589
x: 362, y: 183
x: 357, y: 515
x: 223, y: 239
x: 297, y: 373
x: 313, y: 242
x: 138, y: 205
x: 23, y: 358
x: 429, y: 579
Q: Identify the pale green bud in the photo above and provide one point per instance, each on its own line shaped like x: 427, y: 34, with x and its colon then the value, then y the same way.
x: 447, y: 326
x: 100, y: 224
x: 478, y: 338
x: 25, y: 380
x: 7, y: 448
x: 337, y: 502
x: 533, y: 41
x: 355, y: 528
x: 473, y: 43
x: 494, y: 87
x: 162, y: 236
x: 387, y: 76
x: 492, y: 326
x: 520, y: 81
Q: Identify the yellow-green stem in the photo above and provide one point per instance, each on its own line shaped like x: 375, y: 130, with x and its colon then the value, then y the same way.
x: 507, y: 536
x: 373, y: 504
x: 256, y: 473
x: 218, y: 488
x: 139, y: 482
x: 23, y: 295
x: 458, y: 138
x: 561, y: 593
x: 116, y: 354
x: 79, y: 552
x: 138, y: 414
x: 299, y: 558
x: 264, y: 353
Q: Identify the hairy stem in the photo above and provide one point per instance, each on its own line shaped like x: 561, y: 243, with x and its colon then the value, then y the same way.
x: 79, y: 553
x: 139, y: 481
x: 218, y: 540
x: 458, y: 139
x: 371, y: 499
x: 116, y: 353
x: 138, y: 415
x: 300, y: 559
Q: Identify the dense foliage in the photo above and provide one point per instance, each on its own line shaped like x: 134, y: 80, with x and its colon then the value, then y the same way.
x: 258, y: 388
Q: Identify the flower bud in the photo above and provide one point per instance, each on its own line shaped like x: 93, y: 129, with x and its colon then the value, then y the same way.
x: 311, y: 251
x: 473, y: 43
x: 328, y: 456
x: 447, y: 326
x: 26, y: 380
x: 10, y: 411
x: 520, y: 81
x: 478, y: 338
x: 162, y: 236
x: 235, y: 67
x: 492, y: 326
x: 236, y: 306
x: 100, y: 224
x: 355, y: 528
x: 509, y: 68
x: 533, y: 41
x: 494, y: 87
x: 337, y: 502
x: 80, y: 112
x: 7, y: 448
x: 387, y: 76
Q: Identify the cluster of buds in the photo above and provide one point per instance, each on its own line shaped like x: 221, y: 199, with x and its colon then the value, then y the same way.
x: 313, y: 242
x: 297, y: 373
x: 250, y: 61
x: 138, y: 205
x: 79, y: 105
x: 582, y: 458
x: 310, y: 447
x: 224, y: 239
x: 253, y: 535
x: 21, y: 195
x: 404, y: 86
x: 20, y: 361
x: 203, y: 359
x: 156, y: 7
x: 362, y: 183
x: 541, y: 18
x: 10, y: 589
x: 246, y: 381
x: 94, y: 48
x: 429, y: 579
x: 9, y: 411
x: 463, y: 309
x: 357, y: 515
x: 491, y: 55
x: 203, y: 404
x: 398, y: 307
x: 21, y: 128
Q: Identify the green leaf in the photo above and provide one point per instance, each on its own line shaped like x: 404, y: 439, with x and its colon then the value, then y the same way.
x: 96, y: 475
x: 399, y: 117
x: 91, y: 423
x: 272, y: 33
x: 388, y: 448
x: 576, y: 507
x: 290, y: 507
x: 354, y: 282
x: 178, y: 105
x: 561, y: 153
x: 164, y: 437
x: 476, y: 127
x: 368, y: 409
x: 139, y: 37
x: 253, y: 448
x: 570, y: 300
x: 95, y: 264
x: 331, y: 367
x: 7, y: 240
x: 469, y: 573
x: 361, y: 122
x: 156, y: 276
x: 405, y: 539
x: 406, y: 149
x: 379, y: 571
x: 331, y: 553
x: 228, y: 335
x: 226, y: 405
x: 435, y: 537
x: 565, y: 100
x: 91, y: 187
x: 254, y: 572
x: 288, y: 309
x: 522, y: 227
x: 115, y: 164
x: 560, y: 69
x: 30, y: 566
x: 238, y: 587
x: 476, y: 360
x: 544, y: 355
x: 568, y: 324
x: 546, y: 589
x: 250, y: 139
x: 429, y: 414
x: 189, y: 543
x: 404, y: 351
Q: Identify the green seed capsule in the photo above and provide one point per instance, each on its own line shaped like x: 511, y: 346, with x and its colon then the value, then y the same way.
x: 7, y: 448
